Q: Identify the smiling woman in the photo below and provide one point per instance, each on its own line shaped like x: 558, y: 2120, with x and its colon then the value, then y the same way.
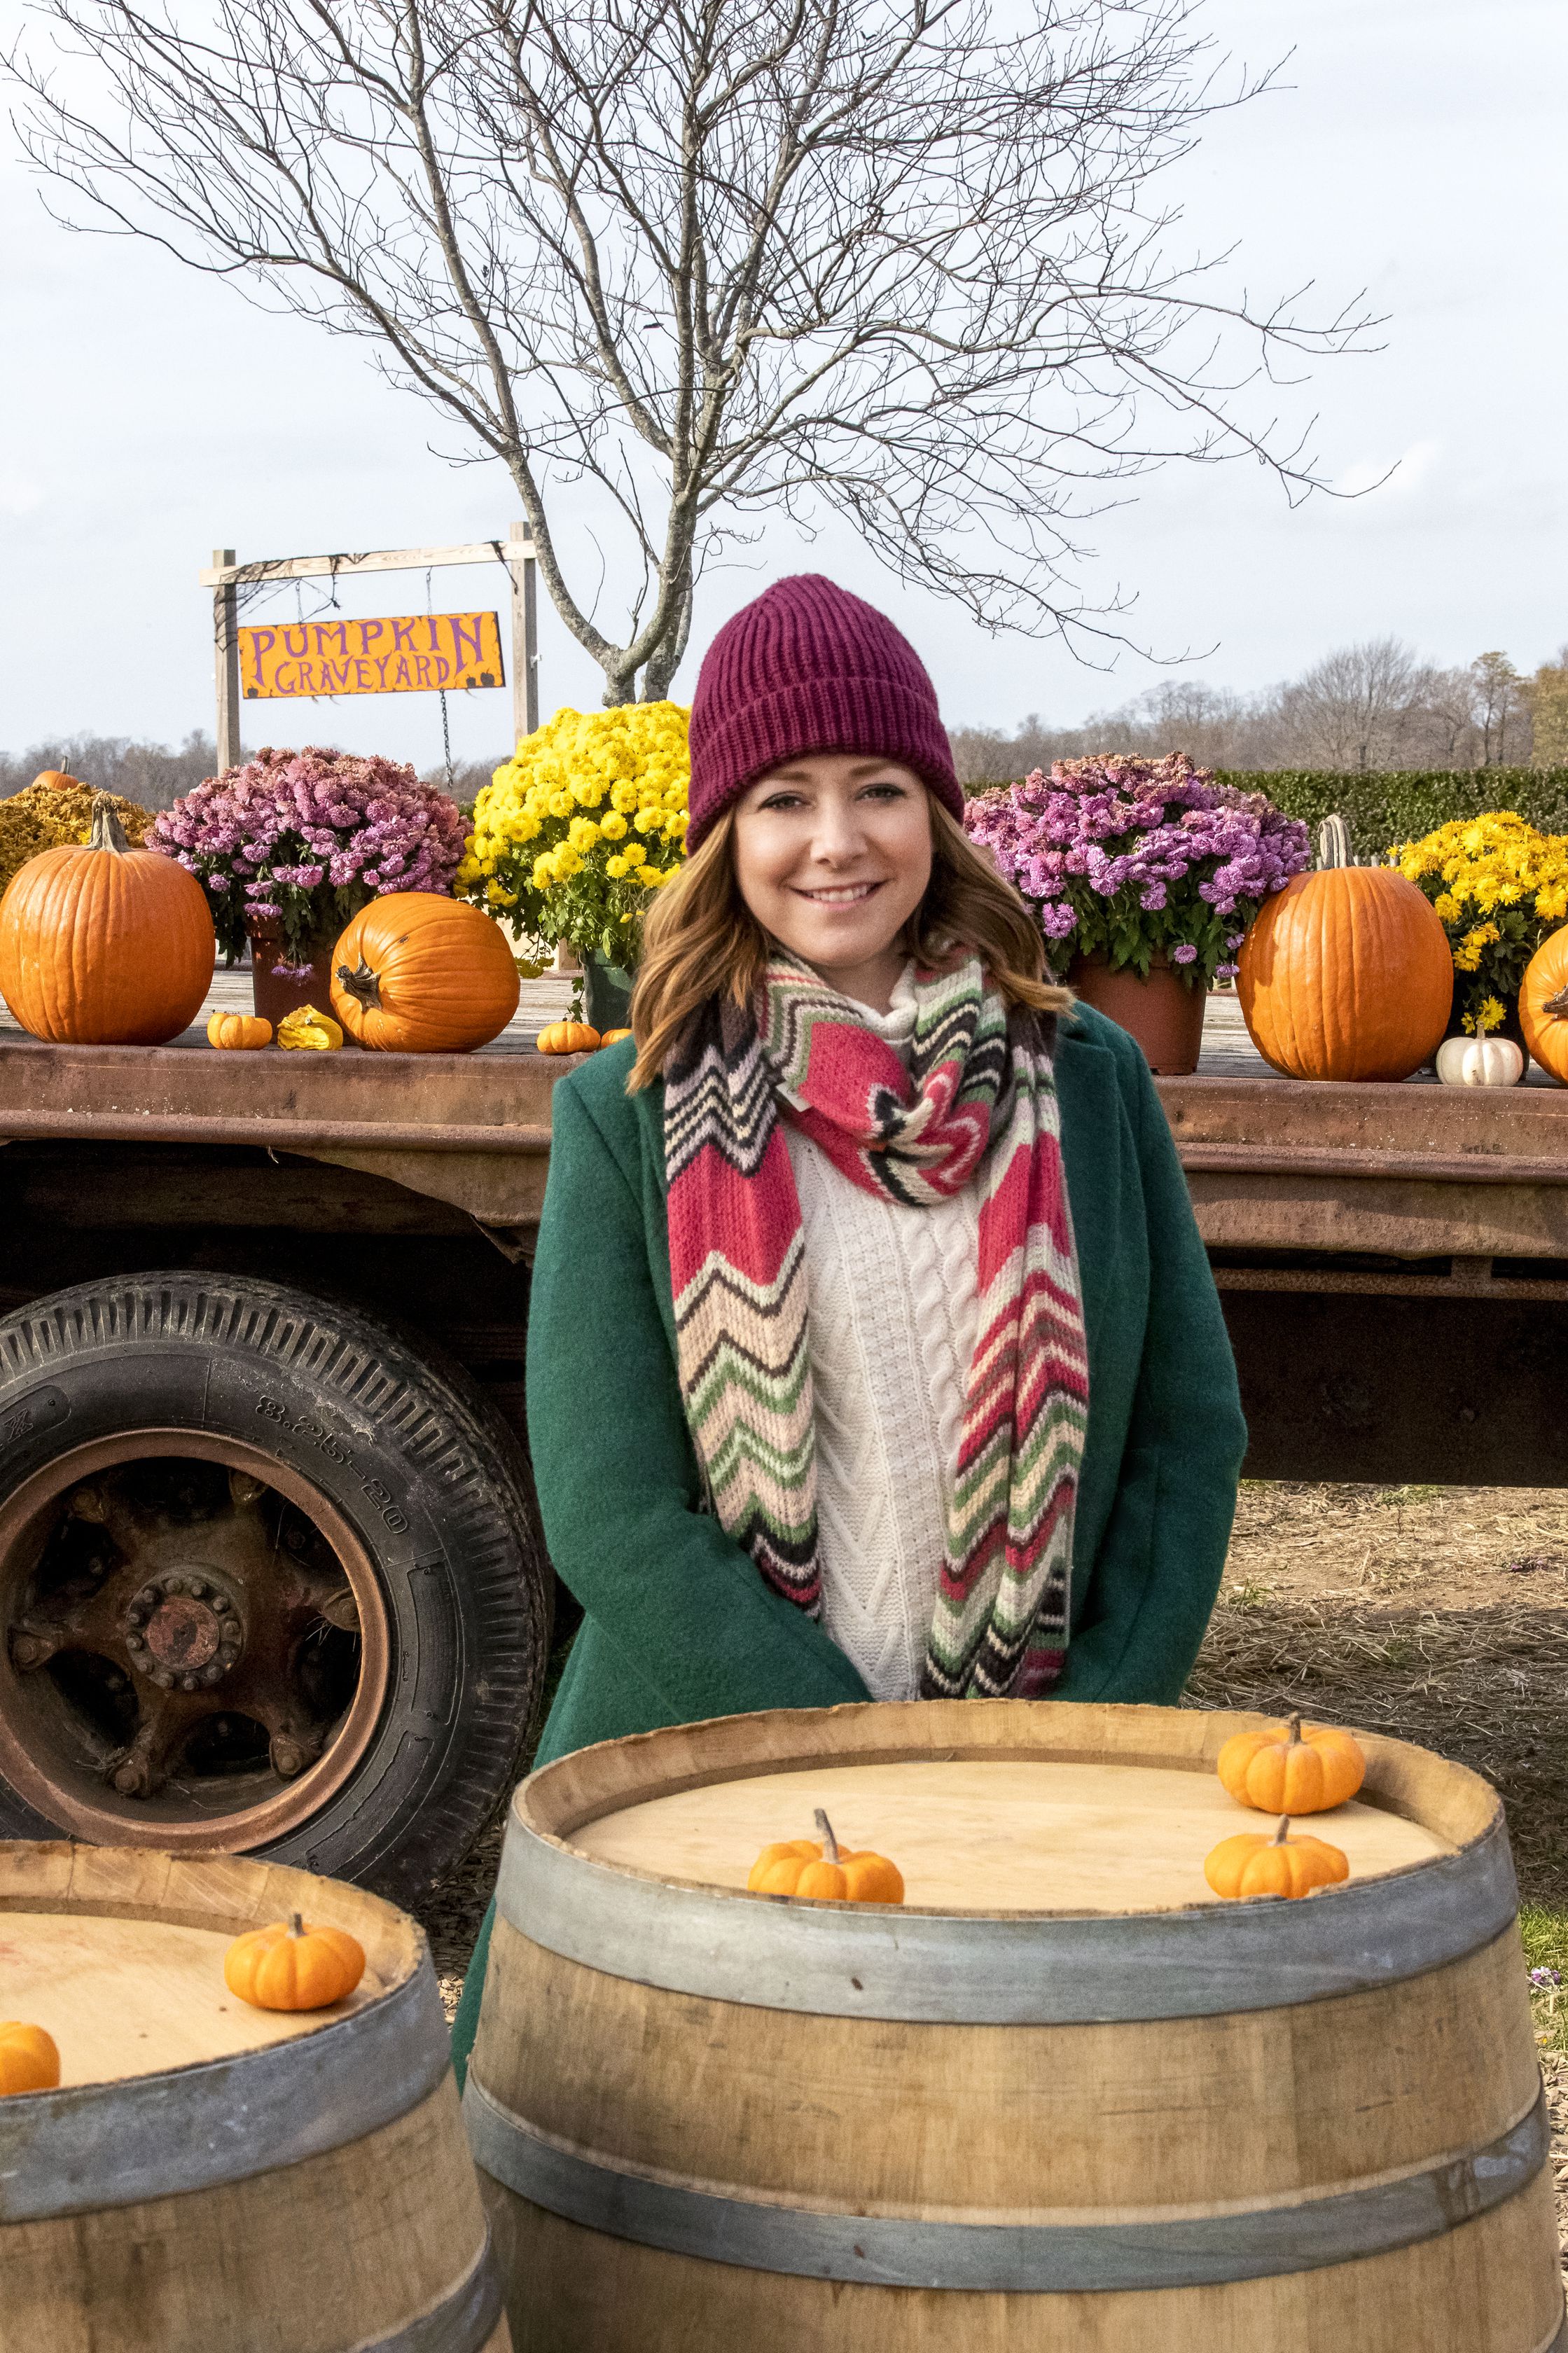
x: 906, y: 1355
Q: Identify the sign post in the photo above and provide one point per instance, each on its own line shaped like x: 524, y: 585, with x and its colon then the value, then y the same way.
x: 516, y: 552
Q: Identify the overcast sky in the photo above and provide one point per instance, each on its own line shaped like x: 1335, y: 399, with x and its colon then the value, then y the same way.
x: 1415, y: 151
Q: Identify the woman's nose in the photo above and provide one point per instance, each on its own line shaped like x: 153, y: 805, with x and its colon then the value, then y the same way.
x: 837, y: 836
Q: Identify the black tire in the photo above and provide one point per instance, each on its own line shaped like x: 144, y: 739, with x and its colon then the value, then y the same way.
x: 401, y: 1443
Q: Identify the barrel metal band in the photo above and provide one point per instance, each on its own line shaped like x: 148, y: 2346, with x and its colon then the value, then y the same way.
x: 852, y: 1961
x: 96, y: 2145
x: 1003, y: 2258
x: 463, y: 2322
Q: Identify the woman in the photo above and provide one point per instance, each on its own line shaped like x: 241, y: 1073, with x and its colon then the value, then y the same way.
x: 872, y: 1348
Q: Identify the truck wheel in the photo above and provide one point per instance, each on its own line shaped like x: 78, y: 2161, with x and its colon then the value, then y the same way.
x: 270, y: 1582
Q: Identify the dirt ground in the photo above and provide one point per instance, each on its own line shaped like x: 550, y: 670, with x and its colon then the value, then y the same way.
x: 1436, y: 1614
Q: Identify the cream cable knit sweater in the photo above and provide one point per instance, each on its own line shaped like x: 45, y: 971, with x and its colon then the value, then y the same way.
x: 891, y: 1308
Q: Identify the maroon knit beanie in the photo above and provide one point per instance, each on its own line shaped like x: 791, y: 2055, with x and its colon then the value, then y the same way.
x: 809, y: 667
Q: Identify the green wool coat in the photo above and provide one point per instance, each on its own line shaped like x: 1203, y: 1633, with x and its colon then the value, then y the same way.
x: 678, y: 1624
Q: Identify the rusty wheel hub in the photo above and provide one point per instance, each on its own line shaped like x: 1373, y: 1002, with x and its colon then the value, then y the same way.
x: 181, y: 1633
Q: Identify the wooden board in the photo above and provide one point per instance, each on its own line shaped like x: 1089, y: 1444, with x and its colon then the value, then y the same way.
x: 134, y: 1996
x: 1046, y: 1837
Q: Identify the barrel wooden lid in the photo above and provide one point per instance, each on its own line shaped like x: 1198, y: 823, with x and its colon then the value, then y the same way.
x: 119, y: 1953
x: 988, y: 1835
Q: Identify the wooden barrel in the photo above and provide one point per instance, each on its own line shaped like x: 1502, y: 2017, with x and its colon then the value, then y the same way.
x: 215, y: 2179
x: 1063, y: 2098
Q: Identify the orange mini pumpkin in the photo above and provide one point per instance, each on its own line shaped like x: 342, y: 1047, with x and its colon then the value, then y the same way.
x: 824, y: 1873
x: 101, y: 945
x: 30, y: 2059
x: 613, y: 1037
x: 1543, y: 1004
x: 1251, y: 1864
x: 1292, y: 1768
x: 1346, y: 974
x: 55, y: 780
x: 288, y: 1966
x: 567, y: 1038
x: 239, y: 1033
x: 418, y: 973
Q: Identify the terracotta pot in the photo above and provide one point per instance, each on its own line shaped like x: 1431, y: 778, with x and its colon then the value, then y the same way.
x: 275, y: 993
x: 1163, y: 1013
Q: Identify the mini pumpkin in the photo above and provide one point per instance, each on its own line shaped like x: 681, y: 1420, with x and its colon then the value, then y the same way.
x: 1251, y: 1864
x: 101, y: 945
x: 1480, y: 1063
x: 1292, y: 1768
x: 613, y: 1037
x: 308, y: 1031
x: 567, y: 1038
x: 30, y: 2060
x: 1543, y: 1004
x: 56, y: 780
x: 824, y: 1873
x: 415, y: 973
x: 288, y: 1966
x: 239, y: 1033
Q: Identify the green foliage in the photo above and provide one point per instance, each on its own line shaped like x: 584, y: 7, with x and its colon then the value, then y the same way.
x: 1390, y: 806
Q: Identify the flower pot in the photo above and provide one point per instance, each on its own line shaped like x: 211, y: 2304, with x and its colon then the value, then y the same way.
x: 606, y: 993
x: 1163, y: 1013
x: 276, y: 994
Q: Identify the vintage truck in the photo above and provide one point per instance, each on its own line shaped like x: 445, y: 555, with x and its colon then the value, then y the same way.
x: 270, y: 1570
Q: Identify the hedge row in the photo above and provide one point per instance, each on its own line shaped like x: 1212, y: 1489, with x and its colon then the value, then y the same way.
x: 1399, y: 804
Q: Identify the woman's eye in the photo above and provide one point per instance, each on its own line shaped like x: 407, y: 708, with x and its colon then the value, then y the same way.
x: 784, y: 801
x: 887, y: 792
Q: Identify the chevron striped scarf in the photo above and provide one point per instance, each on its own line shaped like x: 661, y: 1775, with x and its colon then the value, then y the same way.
x: 978, y: 1093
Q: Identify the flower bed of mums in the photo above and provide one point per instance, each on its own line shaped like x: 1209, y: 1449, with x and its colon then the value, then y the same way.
x: 1499, y: 888
x: 293, y: 844
x: 579, y: 829
x: 1140, y: 861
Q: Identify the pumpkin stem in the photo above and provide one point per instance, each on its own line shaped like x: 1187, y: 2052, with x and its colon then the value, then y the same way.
x: 825, y: 1832
x: 363, y: 984
x: 296, y: 1924
x: 107, y: 833
x: 1282, y: 1832
x: 1334, y: 843
x: 1558, y: 1004
x: 1294, y: 1728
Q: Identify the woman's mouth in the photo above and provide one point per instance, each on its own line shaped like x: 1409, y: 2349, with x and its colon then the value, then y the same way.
x: 839, y: 895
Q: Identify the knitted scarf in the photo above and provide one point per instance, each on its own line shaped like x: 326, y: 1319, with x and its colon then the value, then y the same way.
x: 978, y: 1093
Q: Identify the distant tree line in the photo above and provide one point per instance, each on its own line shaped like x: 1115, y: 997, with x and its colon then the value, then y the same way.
x: 1367, y: 709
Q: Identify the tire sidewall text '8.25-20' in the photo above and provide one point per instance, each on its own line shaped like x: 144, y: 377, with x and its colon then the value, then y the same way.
x: 404, y: 1446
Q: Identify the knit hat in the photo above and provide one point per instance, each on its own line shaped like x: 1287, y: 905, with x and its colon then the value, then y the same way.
x: 807, y: 668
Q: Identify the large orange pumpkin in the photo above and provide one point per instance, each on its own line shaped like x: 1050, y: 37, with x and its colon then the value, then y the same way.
x: 417, y: 974
x: 1543, y: 1004
x: 101, y: 945
x: 1346, y: 974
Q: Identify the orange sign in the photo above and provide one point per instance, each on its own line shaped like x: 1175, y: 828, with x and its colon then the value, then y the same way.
x: 414, y: 654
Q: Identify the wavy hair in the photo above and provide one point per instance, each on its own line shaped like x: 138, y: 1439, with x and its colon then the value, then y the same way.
x: 701, y: 940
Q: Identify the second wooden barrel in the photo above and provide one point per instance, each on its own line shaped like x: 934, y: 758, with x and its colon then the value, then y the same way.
x: 215, y: 2179
x: 1063, y: 2098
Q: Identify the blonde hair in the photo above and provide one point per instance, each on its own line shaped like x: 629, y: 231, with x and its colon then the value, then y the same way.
x: 701, y: 940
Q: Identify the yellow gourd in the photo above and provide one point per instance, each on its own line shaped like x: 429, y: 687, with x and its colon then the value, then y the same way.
x: 305, y: 1027
x: 29, y: 2061
x: 1292, y: 1768
x: 567, y: 1038
x: 1251, y: 1864
x: 288, y: 1966
x: 826, y: 1873
x: 239, y: 1032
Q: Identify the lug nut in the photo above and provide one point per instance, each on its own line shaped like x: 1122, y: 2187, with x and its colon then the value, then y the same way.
x: 288, y: 1758
x: 26, y: 1651
x: 222, y: 1604
x: 187, y: 1683
x: 135, y: 1614
x: 196, y: 1588
x: 135, y: 1642
x: 163, y: 1679
x: 174, y: 1585
x: 127, y: 1781
x: 212, y: 1675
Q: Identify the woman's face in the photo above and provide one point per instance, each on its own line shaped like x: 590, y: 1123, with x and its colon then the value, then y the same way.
x: 833, y: 856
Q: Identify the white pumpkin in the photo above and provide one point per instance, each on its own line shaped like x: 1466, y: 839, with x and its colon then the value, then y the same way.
x: 1480, y: 1063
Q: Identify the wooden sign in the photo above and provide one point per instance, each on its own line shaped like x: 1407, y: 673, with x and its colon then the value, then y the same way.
x: 416, y: 653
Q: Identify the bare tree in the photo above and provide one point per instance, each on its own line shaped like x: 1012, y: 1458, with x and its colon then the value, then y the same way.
x: 899, y: 258
x: 1500, y: 710
x: 1352, y: 709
